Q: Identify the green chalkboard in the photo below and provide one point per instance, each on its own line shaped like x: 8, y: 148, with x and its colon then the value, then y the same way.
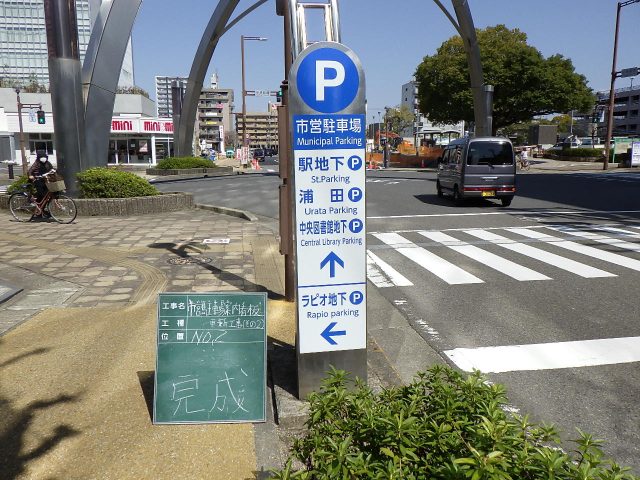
x: 211, y: 358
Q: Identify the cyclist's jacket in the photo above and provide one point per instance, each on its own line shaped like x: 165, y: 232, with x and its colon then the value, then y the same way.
x: 39, y: 168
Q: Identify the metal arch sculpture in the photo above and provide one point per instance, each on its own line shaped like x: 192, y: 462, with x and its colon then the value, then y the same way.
x: 101, y: 71
x: 108, y: 43
x: 482, y: 99
x: 183, y: 134
x: 216, y: 27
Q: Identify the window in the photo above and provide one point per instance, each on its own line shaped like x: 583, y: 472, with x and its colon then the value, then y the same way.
x: 490, y: 153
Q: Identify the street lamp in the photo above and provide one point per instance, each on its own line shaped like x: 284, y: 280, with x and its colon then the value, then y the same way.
x: 614, y: 75
x: 245, y: 140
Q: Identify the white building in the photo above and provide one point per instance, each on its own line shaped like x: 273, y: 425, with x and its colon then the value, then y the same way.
x: 164, y: 106
x: 137, y: 136
x: 23, y: 41
x: 424, y: 132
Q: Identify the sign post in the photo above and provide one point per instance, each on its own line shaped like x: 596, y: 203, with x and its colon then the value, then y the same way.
x: 327, y: 122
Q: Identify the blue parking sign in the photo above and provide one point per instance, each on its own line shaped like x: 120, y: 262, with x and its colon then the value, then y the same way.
x: 328, y: 80
x: 327, y: 130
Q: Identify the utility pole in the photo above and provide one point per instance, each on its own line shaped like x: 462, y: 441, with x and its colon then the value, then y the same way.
x: 25, y: 163
x: 287, y: 199
x: 612, y: 93
x: 25, y: 167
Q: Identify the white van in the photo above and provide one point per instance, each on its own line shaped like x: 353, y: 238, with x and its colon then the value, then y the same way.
x: 479, y: 167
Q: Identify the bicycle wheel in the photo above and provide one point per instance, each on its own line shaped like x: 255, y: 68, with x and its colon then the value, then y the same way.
x: 63, y: 209
x: 20, y: 207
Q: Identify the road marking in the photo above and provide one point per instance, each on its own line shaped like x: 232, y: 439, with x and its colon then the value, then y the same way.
x: 542, y: 255
x: 634, y: 247
x: 447, y: 271
x: 547, y: 356
x: 489, y: 259
x: 579, y: 248
x: 619, y: 231
x: 510, y: 212
x: 388, y: 277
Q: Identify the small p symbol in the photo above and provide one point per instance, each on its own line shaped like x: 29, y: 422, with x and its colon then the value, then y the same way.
x: 323, y: 82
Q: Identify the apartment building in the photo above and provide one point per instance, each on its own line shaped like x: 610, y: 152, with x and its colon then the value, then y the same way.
x: 214, y: 117
x: 261, y: 129
x: 164, y: 106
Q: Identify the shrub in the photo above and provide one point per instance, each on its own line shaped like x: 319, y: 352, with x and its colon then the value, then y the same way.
x: 174, y: 163
x: 582, y: 152
x: 17, y: 184
x: 441, y: 426
x: 102, y: 182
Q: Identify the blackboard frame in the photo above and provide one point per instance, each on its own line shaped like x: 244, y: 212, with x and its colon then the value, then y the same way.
x: 160, y: 402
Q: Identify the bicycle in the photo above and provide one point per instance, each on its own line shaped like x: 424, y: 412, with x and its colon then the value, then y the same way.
x: 61, y: 208
x: 523, y: 164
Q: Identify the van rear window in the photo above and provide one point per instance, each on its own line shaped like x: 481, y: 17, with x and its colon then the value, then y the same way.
x: 490, y: 153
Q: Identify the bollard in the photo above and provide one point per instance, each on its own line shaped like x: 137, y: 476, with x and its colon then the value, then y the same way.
x: 10, y: 167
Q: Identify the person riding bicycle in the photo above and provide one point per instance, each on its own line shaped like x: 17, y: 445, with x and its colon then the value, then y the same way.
x: 40, y: 167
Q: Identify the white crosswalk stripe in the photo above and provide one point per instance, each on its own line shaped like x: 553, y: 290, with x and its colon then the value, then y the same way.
x: 440, y: 267
x: 383, y: 275
x: 489, y: 259
x: 542, y: 255
x: 599, y: 238
x: 579, y: 248
x: 567, y: 238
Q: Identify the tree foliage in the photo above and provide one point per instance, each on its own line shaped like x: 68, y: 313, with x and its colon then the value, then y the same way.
x: 399, y: 119
x: 526, y: 84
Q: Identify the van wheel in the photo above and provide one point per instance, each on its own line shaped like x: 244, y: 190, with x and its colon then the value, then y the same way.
x: 457, y: 198
x: 439, y: 189
x: 506, y: 201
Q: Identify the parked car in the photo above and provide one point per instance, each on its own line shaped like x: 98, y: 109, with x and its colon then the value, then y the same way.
x: 479, y: 167
x: 230, y: 153
x: 260, y: 154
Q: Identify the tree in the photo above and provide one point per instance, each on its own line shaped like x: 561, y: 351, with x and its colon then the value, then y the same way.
x: 230, y: 139
x: 399, y: 119
x: 526, y: 84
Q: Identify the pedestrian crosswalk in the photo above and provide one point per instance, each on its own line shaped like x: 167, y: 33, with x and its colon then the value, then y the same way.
x: 461, y: 256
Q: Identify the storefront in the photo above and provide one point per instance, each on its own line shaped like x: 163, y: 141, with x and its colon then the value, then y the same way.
x: 140, y: 140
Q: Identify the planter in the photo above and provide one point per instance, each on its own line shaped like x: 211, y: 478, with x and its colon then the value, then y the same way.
x: 110, y: 207
x: 207, y: 172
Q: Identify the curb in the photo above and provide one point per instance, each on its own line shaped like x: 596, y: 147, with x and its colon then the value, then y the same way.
x: 176, y: 178
x: 213, y: 172
x: 234, y: 212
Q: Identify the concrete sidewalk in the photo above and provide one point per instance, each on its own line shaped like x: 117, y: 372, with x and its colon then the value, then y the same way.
x: 78, y: 351
x: 77, y: 347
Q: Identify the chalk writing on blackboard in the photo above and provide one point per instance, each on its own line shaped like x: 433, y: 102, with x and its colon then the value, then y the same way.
x: 229, y: 393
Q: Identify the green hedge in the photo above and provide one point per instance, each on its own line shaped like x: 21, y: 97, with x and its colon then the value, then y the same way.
x: 102, y: 182
x: 175, y: 163
x: 442, y: 426
x: 18, y: 183
x: 582, y: 152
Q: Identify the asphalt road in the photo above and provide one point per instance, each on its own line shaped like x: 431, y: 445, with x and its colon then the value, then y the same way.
x: 543, y: 294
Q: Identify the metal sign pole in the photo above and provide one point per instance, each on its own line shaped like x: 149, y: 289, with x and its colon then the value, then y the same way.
x: 327, y: 133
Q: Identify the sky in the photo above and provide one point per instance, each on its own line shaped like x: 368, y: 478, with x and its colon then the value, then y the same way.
x: 389, y: 37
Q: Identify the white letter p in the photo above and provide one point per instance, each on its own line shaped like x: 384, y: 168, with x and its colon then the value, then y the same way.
x: 322, y: 81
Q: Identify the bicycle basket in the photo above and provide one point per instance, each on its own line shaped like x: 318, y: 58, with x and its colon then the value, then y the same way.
x: 55, y: 184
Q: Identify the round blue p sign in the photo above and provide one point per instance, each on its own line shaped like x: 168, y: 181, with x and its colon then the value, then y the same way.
x: 327, y: 80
